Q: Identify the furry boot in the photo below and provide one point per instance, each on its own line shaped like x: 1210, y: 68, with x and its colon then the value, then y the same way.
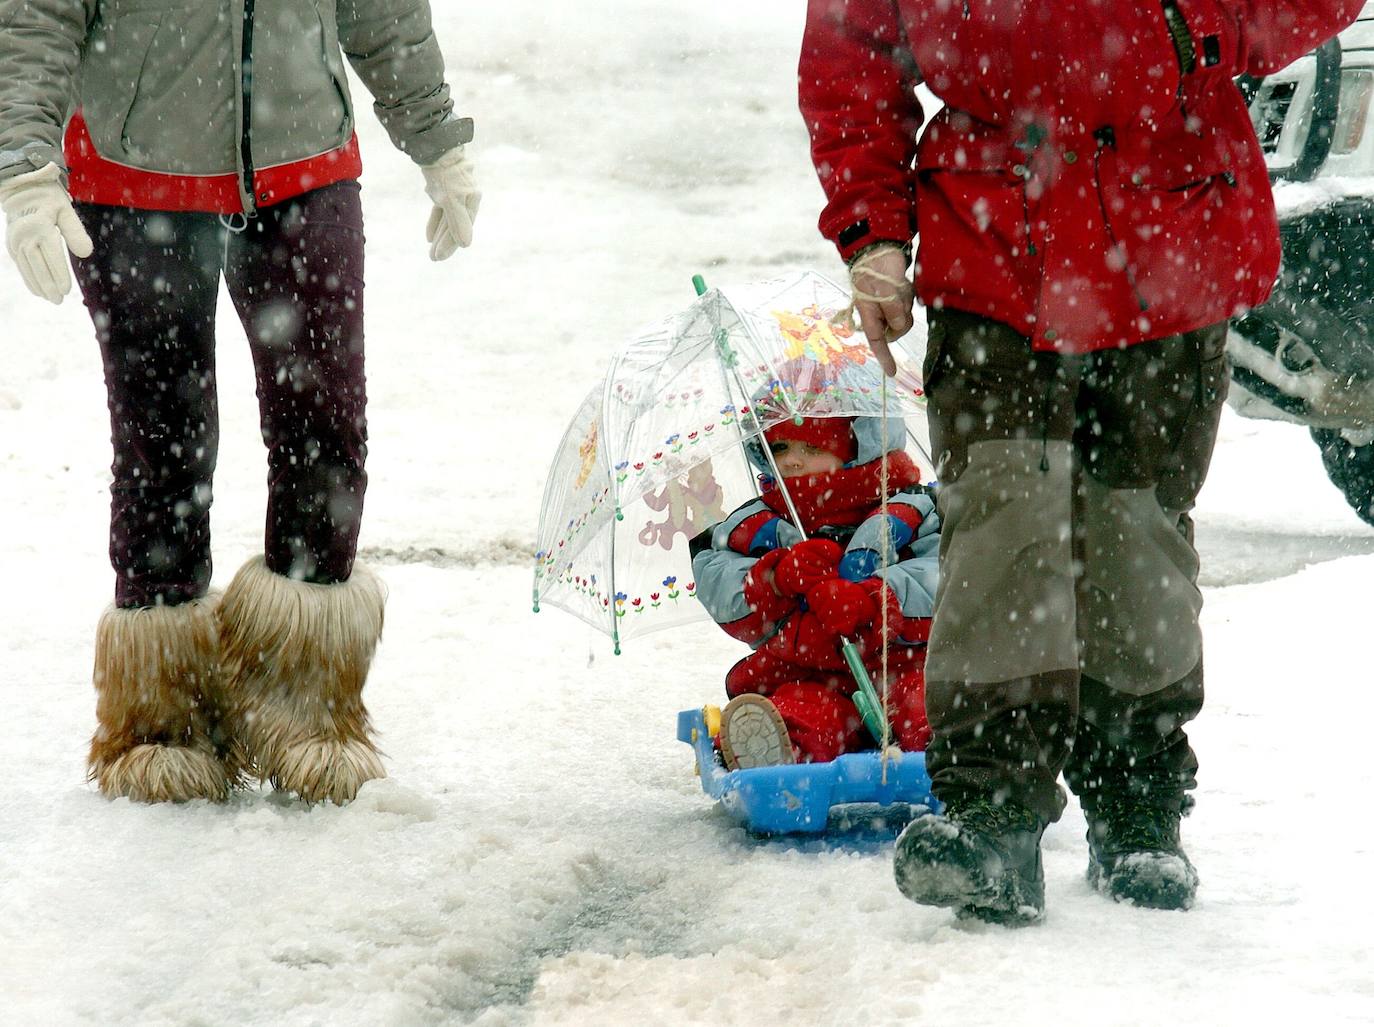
x: 158, y: 705
x: 295, y: 657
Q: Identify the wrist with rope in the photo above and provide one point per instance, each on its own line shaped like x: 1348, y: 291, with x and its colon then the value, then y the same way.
x: 880, y: 244
x: 859, y: 265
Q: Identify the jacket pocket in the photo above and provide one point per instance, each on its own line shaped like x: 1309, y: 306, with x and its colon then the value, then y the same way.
x: 974, y: 223
x: 332, y: 54
x: 301, y: 105
x: 1176, y: 221
x: 117, y: 59
x: 158, y: 85
x: 1186, y: 164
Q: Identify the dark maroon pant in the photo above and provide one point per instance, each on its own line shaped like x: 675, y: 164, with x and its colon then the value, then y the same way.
x: 295, y: 274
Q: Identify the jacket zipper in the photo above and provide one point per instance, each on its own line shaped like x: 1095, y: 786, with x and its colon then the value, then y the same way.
x: 246, y: 91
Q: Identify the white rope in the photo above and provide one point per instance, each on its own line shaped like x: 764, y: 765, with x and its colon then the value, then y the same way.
x: 847, y: 317
x: 896, y: 283
x: 857, y: 294
x: 884, y: 633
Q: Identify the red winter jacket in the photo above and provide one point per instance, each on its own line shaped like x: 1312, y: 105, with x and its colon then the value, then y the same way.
x: 1079, y: 185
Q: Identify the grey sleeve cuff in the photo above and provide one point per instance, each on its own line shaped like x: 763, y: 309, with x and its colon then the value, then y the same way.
x: 720, y: 575
x: 30, y: 157
x: 426, y: 145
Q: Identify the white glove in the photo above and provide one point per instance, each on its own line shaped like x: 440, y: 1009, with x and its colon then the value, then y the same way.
x: 449, y: 182
x: 40, y: 220
x: 883, y: 297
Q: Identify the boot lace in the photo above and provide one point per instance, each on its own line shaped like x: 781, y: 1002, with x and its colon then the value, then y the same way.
x: 1131, y: 827
x: 992, y: 818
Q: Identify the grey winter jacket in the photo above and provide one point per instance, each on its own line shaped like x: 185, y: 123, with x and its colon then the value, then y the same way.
x: 164, y: 84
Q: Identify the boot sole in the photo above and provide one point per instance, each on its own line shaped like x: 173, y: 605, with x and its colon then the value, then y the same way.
x: 325, y: 769
x: 752, y: 734
x: 935, y: 866
x: 164, y: 773
x: 1151, y: 880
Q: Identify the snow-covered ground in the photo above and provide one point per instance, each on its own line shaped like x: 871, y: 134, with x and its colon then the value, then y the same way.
x: 541, y: 853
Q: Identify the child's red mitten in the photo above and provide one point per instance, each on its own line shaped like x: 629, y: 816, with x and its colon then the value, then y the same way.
x: 807, y: 641
x: 842, y: 606
x: 806, y: 565
x: 900, y: 627
x: 759, y: 591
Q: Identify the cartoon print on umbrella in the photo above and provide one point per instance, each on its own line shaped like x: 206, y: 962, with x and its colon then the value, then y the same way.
x: 670, y: 421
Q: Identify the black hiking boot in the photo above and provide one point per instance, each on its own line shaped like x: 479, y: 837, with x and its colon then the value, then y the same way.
x: 980, y: 858
x: 1134, y: 855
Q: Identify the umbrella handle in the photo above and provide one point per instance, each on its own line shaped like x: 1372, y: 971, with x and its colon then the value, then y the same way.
x: 866, y: 699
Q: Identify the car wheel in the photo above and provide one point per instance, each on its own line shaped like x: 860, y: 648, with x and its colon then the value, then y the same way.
x: 1350, y: 468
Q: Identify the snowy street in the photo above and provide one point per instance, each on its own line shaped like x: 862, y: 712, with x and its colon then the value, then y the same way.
x: 541, y: 852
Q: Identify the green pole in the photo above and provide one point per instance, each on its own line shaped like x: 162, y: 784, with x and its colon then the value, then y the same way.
x: 866, y: 699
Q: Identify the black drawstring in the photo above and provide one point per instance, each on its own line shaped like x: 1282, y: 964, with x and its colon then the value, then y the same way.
x: 1045, y: 428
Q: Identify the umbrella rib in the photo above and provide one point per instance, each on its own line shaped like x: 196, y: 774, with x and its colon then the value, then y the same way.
x: 763, y: 352
x: 742, y: 398
x: 611, y: 484
x: 763, y: 439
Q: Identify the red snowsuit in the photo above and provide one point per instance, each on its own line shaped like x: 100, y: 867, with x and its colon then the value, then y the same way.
x: 1088, y: 203
x: 797, y: 662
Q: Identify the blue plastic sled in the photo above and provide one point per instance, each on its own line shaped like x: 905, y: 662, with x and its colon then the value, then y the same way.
x: 797, y: 799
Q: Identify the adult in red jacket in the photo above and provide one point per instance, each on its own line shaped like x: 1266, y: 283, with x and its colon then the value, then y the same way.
x: 1091, y: 205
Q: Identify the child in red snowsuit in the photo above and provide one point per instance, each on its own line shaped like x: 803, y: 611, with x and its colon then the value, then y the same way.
x: 794, y: 597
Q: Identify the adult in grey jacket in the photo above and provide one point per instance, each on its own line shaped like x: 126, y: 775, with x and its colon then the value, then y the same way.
x: 168, y: 145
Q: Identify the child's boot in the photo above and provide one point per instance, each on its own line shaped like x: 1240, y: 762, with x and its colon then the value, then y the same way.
x: 752, y: 734
x: 980, y: 858
x: 296, y: 656
x: 158, y: 705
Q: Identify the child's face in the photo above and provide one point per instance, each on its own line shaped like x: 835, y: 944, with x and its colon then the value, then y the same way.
x: 796, y: 459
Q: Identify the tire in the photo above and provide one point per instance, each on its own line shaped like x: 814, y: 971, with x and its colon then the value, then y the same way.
x: 1350, y: 468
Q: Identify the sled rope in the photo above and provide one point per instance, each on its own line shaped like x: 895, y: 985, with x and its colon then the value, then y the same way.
x: 848, y: 316
x: 885, y: 558
x: 896, y: 283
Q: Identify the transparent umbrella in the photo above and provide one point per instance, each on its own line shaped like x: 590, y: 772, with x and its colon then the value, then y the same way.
x: 656, y: 453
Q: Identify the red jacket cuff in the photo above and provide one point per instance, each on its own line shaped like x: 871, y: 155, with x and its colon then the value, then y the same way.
x: 895, y: 226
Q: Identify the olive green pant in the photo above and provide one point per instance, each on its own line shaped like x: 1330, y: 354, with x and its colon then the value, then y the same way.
x: 1066, y: 632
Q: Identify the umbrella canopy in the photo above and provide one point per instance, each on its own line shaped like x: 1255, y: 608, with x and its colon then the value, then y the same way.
x: 656, y: 453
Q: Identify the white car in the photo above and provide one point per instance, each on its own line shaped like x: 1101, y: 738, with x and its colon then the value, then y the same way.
x: 1307, y: 355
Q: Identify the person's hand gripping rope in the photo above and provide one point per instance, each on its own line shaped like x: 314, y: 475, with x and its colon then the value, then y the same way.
x: 883, y: 297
